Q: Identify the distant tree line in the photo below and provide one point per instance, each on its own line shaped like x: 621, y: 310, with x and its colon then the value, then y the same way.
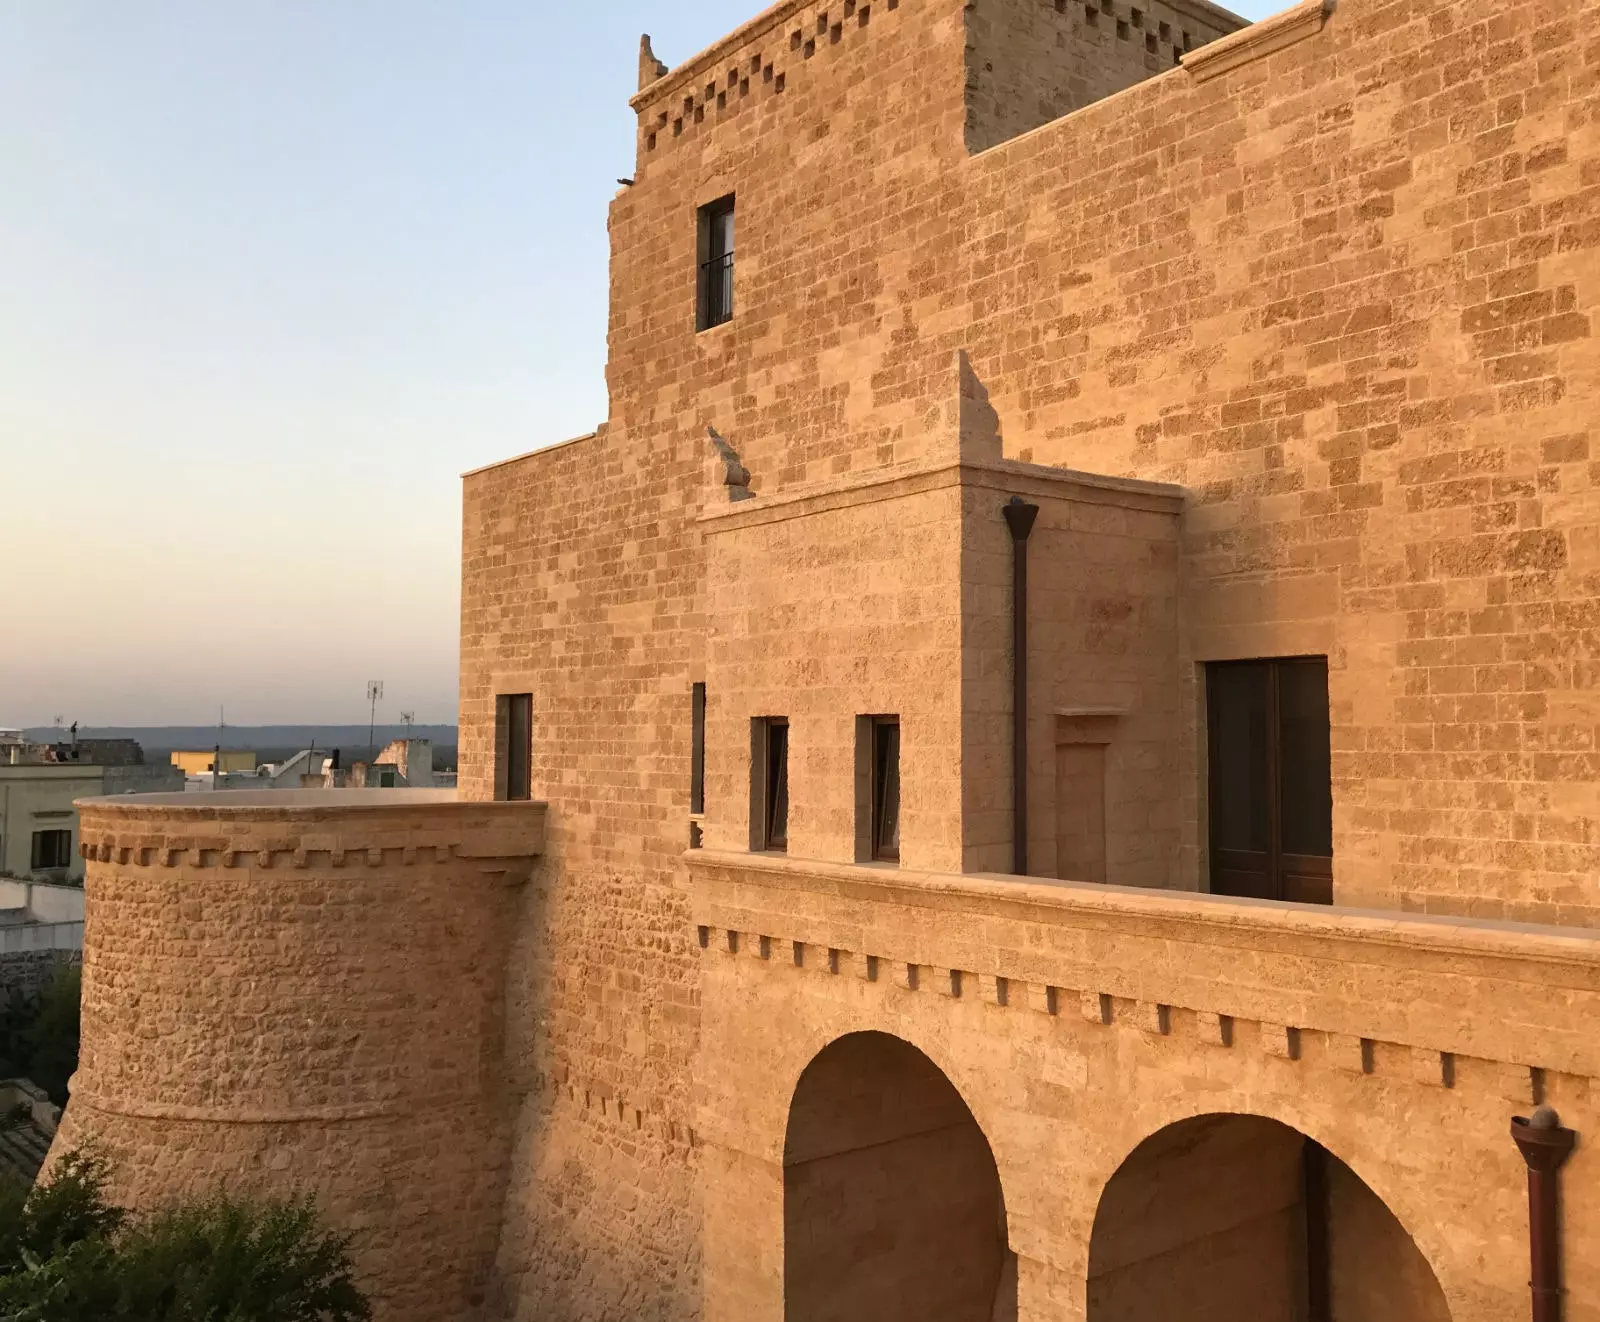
x: 39, y: 1032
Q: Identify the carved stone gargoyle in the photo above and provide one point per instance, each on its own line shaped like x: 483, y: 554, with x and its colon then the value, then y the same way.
x: 732, y: 474
x: 650, y: 68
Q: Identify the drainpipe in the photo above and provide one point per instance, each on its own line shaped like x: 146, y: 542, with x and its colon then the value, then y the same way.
x: 1019, y: 517
x: 1545, y: 1146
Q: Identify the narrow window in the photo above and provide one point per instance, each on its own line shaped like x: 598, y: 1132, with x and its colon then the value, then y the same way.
x: 513, y: 740
x: 716, y: 264
x: 769, y: 783
x: 697, y: 749
x: 886, y: 788
x: 51, y: 849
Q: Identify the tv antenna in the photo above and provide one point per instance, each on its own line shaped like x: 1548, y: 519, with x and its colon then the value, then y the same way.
x: 374, y: 692
x: 408, y: 717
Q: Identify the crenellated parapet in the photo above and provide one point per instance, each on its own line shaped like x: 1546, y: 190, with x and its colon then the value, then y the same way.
x: 752, y: 65
x: 305, y: 990
x: 301, y: 829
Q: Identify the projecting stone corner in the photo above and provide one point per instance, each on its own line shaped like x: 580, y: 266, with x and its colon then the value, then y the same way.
x: 1258, y: 40
x: 305, y: 989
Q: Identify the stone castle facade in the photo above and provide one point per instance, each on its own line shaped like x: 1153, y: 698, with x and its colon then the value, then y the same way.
x: 1041, y: 764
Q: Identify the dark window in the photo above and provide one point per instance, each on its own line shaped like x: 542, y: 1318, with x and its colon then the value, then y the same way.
x: 513, y: 746
x: 886, y: 787
x: 769, y: 783
x: 1270, y: 781
x: 715, y: 297
x: 386, y: 780
x: 52, y: 849
x: 697, y: 749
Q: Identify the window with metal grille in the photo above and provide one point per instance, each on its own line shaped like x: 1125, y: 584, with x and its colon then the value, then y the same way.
x: 715, y: 294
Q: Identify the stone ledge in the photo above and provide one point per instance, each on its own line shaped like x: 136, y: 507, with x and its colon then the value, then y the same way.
x: 1288, y: 1043
x: 1003, y: 475
x: 1040, y: 898
x: 1258, y: 40
x: 84, y: 1096
x: 299, y: 830
x: 1523, y: 996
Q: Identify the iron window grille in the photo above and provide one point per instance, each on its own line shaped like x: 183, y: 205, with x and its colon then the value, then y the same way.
x: 716, y: 264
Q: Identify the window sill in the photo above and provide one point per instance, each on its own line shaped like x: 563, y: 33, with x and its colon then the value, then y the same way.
x: 716, y: 338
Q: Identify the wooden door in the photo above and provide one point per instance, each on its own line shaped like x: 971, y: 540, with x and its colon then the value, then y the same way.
x: 1270, y: 779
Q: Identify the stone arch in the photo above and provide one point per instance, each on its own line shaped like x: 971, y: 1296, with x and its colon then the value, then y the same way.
x: 1227, y: 1215
x: 893, y: 1208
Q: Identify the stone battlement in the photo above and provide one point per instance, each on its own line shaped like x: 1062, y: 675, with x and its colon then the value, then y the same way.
x: 299, y: 828
x: 1027, y: 61
x: 752, y: 64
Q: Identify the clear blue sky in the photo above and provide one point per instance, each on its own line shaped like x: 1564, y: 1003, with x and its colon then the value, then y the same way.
x: 272, y: 274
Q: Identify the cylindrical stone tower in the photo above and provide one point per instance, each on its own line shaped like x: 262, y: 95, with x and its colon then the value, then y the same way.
x: 303, y: 990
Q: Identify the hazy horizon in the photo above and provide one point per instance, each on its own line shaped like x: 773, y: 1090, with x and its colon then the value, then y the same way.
x: 272, y: 275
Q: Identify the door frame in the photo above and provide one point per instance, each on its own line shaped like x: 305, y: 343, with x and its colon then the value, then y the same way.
x: 1300, y: 878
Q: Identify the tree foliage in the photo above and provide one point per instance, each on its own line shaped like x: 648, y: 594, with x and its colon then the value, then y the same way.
x: 68, y: 1254
x: 39, y: 1033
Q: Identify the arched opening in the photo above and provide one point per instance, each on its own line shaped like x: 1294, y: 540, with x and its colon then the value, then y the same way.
x: 1223, y: 1217
x: 892, y: 1210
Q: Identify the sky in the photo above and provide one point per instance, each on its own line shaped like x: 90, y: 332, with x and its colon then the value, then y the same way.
x: 273, y: 274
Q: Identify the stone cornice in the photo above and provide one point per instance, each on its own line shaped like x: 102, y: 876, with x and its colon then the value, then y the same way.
x: 1001, y: 475
x: 1173, y: 914
x: 303, y: 829
x: 1521, y: 995
x: 1259, y: 39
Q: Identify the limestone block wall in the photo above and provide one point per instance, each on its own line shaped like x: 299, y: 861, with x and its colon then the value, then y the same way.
x: 1332, y: 275
x: 1104, y: 670
x: 831, y: 604
x: 304, y: 991
x: 1077, y: 1021
x: 1032, y: 61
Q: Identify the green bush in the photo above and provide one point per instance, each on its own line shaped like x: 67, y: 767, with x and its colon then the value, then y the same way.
x: 67, y: 1254
x: 39, y: 1033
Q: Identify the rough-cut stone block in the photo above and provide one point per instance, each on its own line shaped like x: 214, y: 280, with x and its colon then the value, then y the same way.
x: 1280, y: 1040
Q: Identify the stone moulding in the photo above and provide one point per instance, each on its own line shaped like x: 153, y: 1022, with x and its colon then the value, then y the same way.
x: 86, y: 1094
x: 1259, y: 39
x: 1352, y: 1055
x: 280, y: 828
x: 720, y: 79
x: 692, y: 69
x: 1520, y: 997
x: 1006, y: 476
